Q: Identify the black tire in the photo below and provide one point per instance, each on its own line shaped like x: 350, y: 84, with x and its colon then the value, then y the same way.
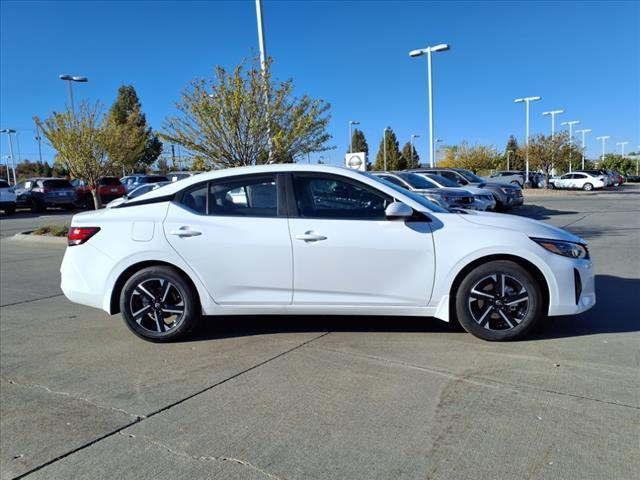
x: 551, y: 186
x: 487, y: 314
x: 36, y: 206
x: 587, y: 187
x: 153, y: 323
x: 10, y: 210
x: 70, y: 207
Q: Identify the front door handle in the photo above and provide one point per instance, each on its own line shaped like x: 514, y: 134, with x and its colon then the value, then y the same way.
x: 185, y: 232
x: 310, y: 236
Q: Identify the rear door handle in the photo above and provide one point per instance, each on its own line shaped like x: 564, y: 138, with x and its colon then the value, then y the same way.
x: 310, y: 236
x: 185, y: 232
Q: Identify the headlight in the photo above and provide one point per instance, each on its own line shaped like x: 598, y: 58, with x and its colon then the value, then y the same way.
x: 566, y: 249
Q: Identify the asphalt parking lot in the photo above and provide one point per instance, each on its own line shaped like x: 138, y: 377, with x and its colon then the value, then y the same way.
x: 341, y: 397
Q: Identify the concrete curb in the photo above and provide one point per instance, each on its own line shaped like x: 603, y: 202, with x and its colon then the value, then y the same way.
x: 47, y: 239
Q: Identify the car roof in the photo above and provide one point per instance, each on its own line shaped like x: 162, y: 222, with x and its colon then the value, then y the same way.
x: 174, y: 187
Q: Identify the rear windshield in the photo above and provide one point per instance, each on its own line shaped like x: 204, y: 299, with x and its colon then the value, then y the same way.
x: 3, y: 184
x: 57, y: 184
x: 154, y: 179
x: 110, y: 181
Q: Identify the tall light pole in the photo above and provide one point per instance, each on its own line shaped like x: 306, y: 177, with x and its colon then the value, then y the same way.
x: 9, y: 131
x: 553, y: 114
x: 622, y: 144
x: 414, y: 135
x: 384, y: 146
x: 583, y: 132
x: 527, y: 101
x: 417, y: 53
x: 436, y: 142
x: 263, y: 64
x: 351, y: 123
x: 39, y: 140
x: 571, y: 124
x: 6, y: 163
x: 70, y: 79
x: 603, y: 139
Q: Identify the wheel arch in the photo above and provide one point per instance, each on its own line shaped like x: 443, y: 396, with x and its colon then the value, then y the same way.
x: 524, y: 263
x: 114, y: 302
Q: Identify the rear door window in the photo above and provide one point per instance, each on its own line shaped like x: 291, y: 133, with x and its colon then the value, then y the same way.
x: 56, y: 184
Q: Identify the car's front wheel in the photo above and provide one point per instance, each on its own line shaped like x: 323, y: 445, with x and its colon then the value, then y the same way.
x: 159, y: 305
x: 587, y: 187
x: 499, y: 300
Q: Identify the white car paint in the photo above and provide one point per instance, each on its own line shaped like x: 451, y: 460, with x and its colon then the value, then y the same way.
x: 242, y: 265
x: 578, y: 180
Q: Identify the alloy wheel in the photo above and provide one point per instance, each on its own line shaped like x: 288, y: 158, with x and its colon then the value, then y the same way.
x: 498, y: 302
x: 157, y: 305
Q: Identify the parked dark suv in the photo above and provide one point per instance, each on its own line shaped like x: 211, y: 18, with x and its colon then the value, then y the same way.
x: 507, y: 196
x: 40, y: 193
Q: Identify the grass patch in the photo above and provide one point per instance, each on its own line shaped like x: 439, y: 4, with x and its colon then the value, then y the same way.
x: 52, y: 230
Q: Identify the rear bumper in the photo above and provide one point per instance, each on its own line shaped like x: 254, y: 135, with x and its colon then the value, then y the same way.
x: 80, y: 284
x: 61, y: 200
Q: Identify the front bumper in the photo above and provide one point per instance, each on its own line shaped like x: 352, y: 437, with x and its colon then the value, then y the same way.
x: 576, y: 288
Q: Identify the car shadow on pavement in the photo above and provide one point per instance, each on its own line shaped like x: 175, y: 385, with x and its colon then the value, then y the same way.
x: 615, y: 312
x: 537, y: 212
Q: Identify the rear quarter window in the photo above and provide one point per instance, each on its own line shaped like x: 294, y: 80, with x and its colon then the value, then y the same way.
x: 57, y: 184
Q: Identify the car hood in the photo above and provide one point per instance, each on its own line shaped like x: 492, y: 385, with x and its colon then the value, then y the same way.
x: 473, y: 190
x: 531, y: 228
x: 454, y: 192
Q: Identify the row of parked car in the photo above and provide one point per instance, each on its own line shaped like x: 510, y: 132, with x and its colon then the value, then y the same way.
x: 588, y: 180
x: 40, y: 193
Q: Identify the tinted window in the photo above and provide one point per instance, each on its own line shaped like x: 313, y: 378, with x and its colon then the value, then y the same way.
x: 579, y: 175
x: 393, y: 180
x: 153, y: 179
x: 450, y: 175
x: 445, y: 182
x: 109, y: 181
x: 250, y: 196
x: 417, y: 181
x: 470, y: 176
x: 57, y: 184
x: 3, y: 184
x: 333, y: 197
x: 196, y: 198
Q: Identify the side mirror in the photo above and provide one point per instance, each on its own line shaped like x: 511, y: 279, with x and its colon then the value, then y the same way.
x: 398, y: 210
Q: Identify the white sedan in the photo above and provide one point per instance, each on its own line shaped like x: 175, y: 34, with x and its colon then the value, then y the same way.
x: 320, y: 240
x: 578, y: 180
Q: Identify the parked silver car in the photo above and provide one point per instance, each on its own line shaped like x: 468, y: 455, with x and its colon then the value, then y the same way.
x: 483, y: 198
x: 444, y: 197
x: 508, y: 176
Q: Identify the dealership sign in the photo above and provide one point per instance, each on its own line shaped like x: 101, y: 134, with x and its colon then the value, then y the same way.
x: 357, y: 160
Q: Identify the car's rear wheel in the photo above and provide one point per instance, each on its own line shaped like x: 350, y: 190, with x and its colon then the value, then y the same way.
x: 36, y: 206
x: 159, y: 305
x: 70, y: 207
x: 587, y: 187
x: 498, y: 301
x: 10, y: 210
x: 551, y: 186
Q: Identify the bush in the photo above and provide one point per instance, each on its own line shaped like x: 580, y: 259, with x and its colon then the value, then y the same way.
x: 52, y: 230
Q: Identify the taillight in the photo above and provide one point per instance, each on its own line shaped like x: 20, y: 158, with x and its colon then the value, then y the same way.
x: 79, y: 235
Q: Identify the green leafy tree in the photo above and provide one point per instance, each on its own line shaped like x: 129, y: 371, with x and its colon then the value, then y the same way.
x: 162, y: 166
x: 471, y: 157
x: 137, y: 147
x: 395, y: 160
x: 237, y: 118
x: 616, y: 163
x: 515, y: 156
x: 411, y: 157
x: 551, y: 152
x: 81, y: 141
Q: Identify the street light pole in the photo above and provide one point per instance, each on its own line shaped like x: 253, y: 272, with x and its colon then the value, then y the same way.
x: 351, y: 123
x: 527, y: 101
x: 622, y: 144
x: 603, y: 139
x: 414, y: 135
x: 417, y: 53
x: 39, y: 140
x: 583, y: 132
x: 436, y: 142
x: 553, y: 114
x: 263, y: 63
x: 571, y: 124
x: 69, y: 79
x: 9, y: 131
x: 384, y: 146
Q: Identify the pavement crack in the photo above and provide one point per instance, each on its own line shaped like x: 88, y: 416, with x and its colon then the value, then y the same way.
x: 206, y: 458
x: 576, y: 221
x: 32, y: 300
x: 476, y: 379
x: 76, y: 396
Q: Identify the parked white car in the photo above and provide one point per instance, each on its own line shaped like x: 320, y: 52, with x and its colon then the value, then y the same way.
x: 578, y: 180
x: 7, y: 198
x: 320, y: 240
x: 483, y: 199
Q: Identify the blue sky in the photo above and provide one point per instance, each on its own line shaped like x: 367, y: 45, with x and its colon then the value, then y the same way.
x: 583, y: 57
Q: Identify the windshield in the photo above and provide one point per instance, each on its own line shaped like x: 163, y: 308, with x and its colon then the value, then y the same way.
x: 445, y: 182
x: 413, y: 196
x: 417, y: 181
x: 110, y: 181
x: 470, y: 176
x: 56, y: 184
